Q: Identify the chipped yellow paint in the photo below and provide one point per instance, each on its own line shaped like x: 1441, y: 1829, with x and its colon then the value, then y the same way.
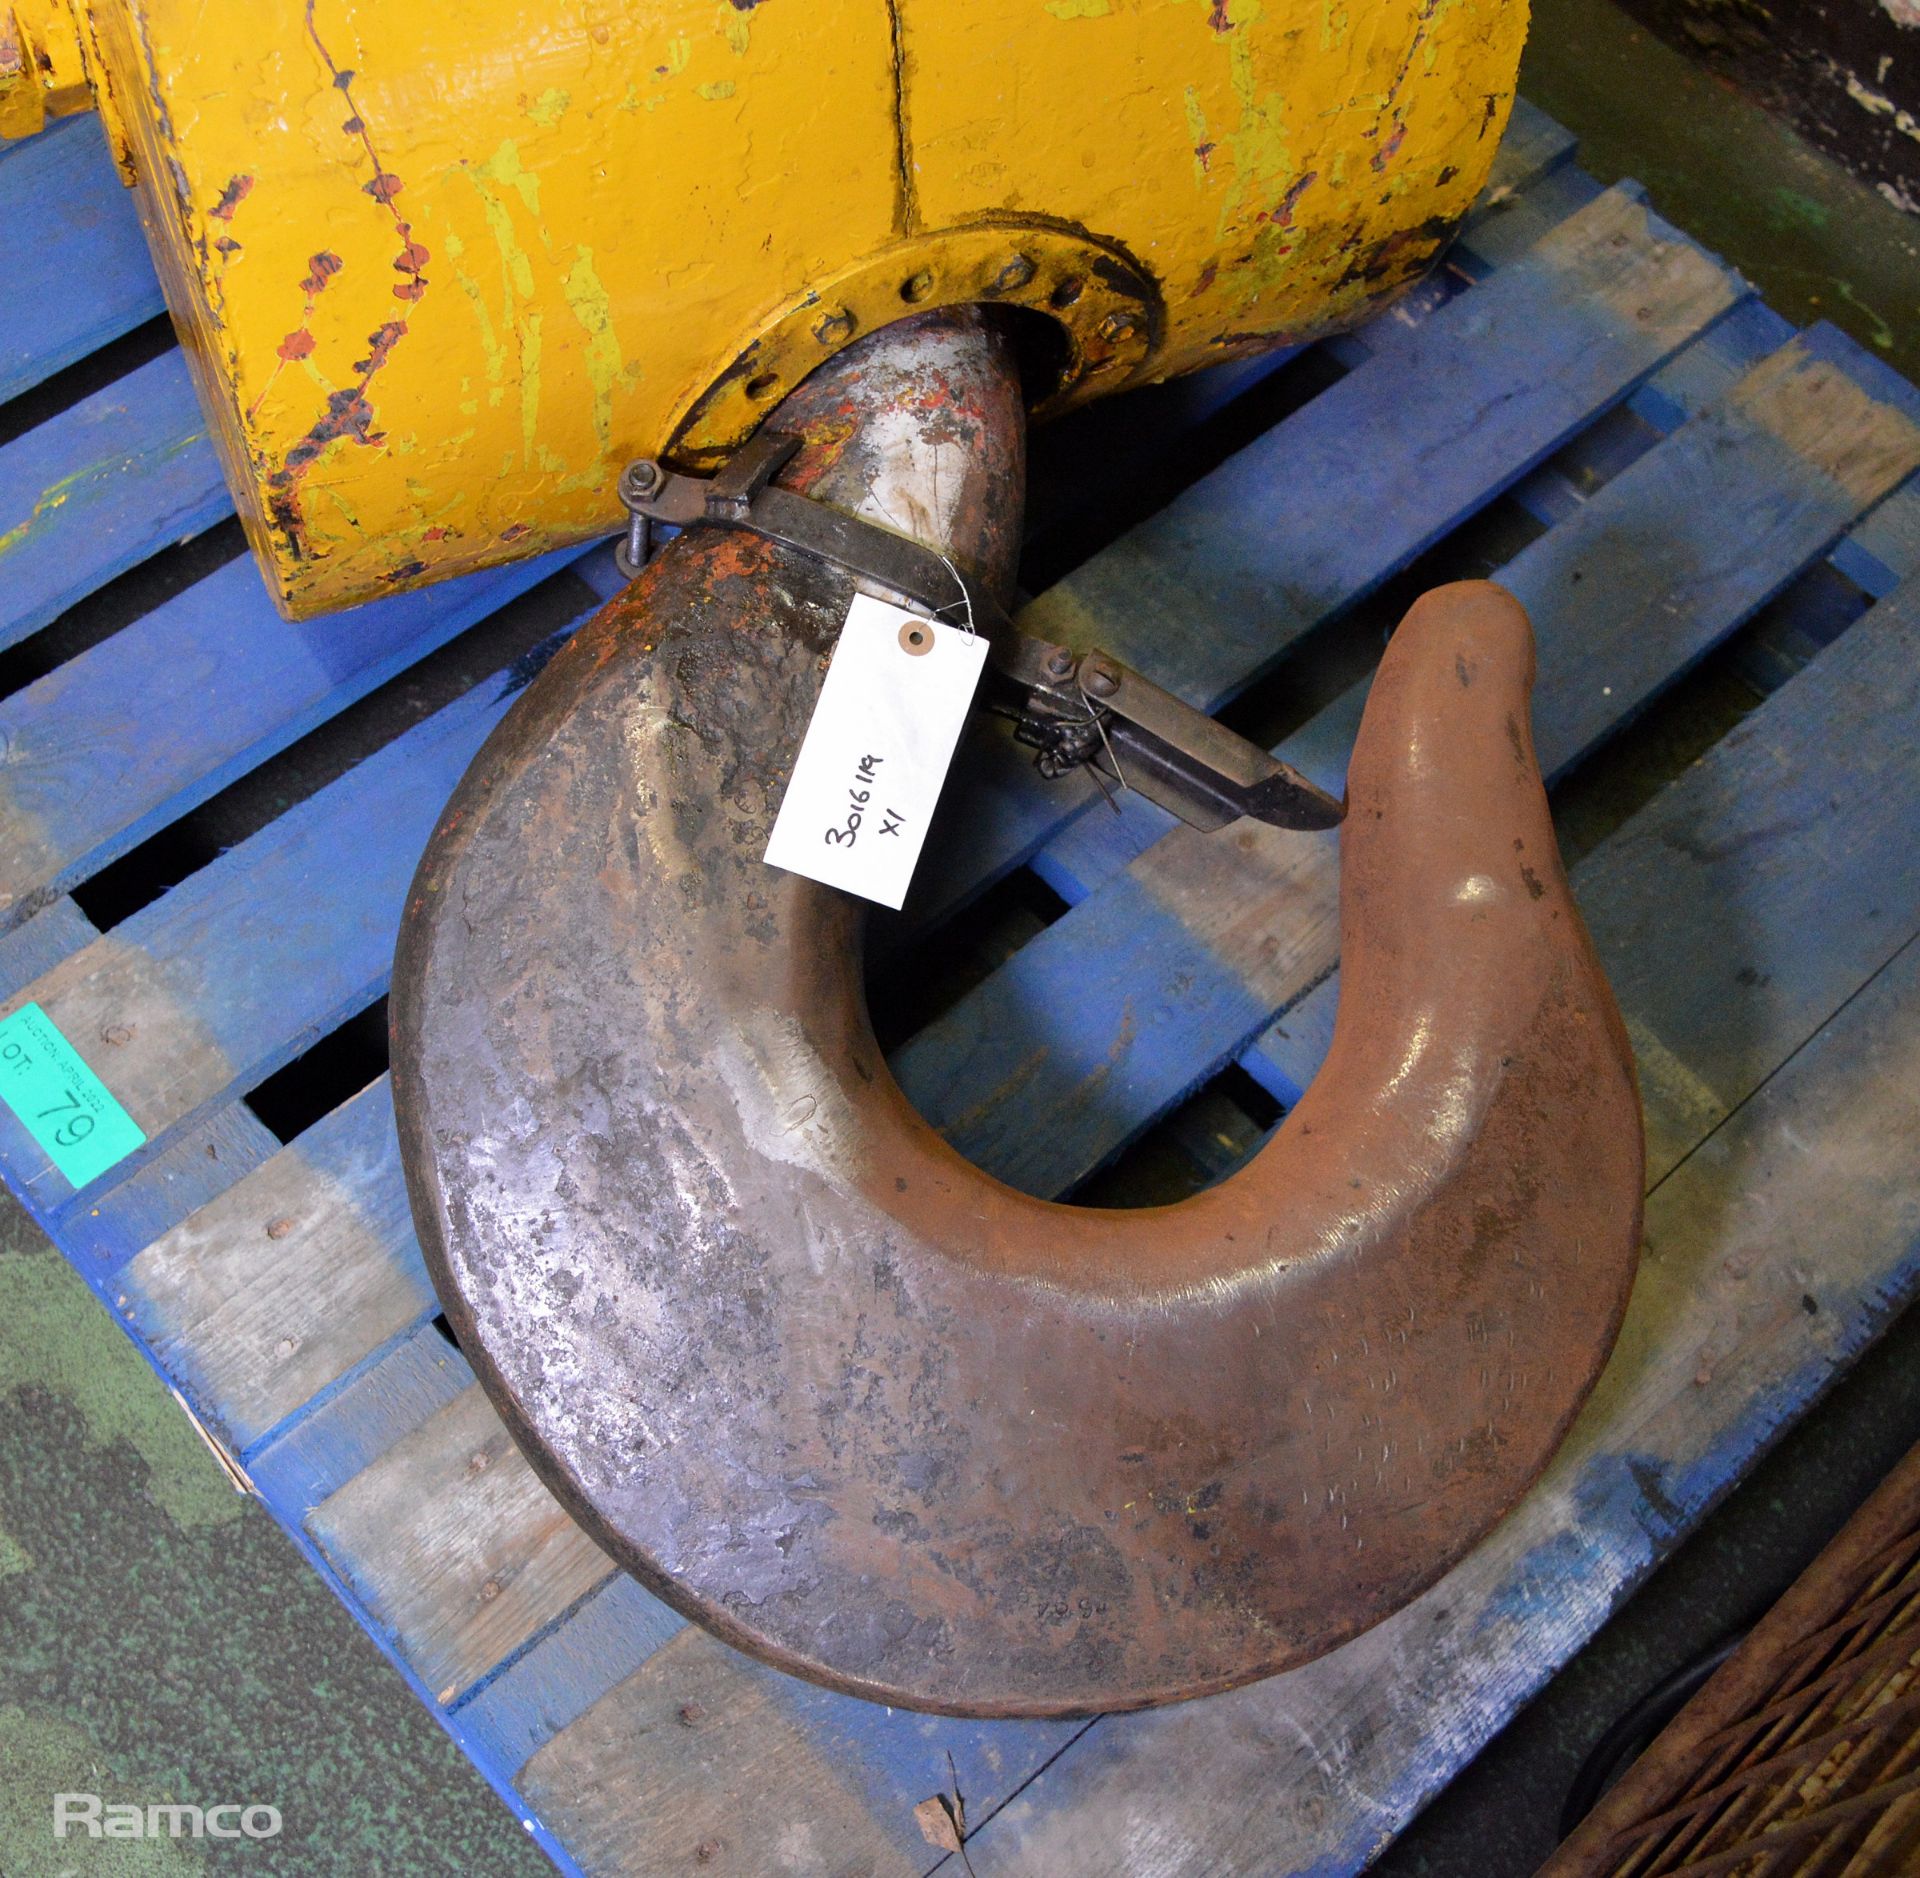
x: 593, y: 308
x: 611, y: 227
x: 1198, y: 136
x: 1257, y: 144
x: 530, y: 356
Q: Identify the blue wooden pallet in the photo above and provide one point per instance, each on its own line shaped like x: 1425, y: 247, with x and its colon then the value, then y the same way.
x: 1674, y: 475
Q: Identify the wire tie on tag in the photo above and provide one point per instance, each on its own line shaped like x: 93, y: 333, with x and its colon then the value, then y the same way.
x: 966, y: 598
x: 907, y: 534
x: 1099, y: 723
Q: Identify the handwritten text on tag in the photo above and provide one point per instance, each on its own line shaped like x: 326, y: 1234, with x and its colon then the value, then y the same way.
x: 877, y: 751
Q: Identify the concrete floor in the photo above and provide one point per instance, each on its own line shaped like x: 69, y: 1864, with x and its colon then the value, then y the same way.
x: 1816, y: 242
x: 160, y: 1639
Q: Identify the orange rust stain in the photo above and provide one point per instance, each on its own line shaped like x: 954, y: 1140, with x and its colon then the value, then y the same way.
x: 1281, y: 214
x: 348, y: 413
x: 231, y: 197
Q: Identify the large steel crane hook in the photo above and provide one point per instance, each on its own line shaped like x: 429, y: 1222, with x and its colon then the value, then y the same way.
x: 837, y: 1394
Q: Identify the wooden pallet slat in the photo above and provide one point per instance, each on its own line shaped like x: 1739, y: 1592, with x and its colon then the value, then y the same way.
x: 107, y: 483
x: 536, y: 1693
x: 277, y: 1287
x: 1794, y: 926
x: 345, y: 1429
x: 488, y: 1565
x: 40, y: 943
x: 134, y: 732
x: 722, y: 1780
x: 69, y: 220
x: 195, y: 1165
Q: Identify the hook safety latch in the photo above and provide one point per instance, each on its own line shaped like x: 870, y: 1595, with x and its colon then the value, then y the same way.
x: 1076, y: 708
x: 1072, y: 708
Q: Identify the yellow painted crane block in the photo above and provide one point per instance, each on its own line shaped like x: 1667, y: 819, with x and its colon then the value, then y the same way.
x: 442, y: 269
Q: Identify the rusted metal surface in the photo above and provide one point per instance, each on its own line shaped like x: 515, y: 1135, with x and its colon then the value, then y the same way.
x: 1802, y: 1755
x: 838, y: 1395
x: 1073, y: 708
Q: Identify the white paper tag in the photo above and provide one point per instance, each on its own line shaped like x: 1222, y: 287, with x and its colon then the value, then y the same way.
x: 878, y: 749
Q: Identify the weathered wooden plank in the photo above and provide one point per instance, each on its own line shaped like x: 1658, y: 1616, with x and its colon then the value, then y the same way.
x: 209, y: 989
x: 137, y: 730
x: 712, y: 1756
x: 1212, y: 590
x: 346, y: 1428
x: 260, y: 1299
x: 74, y: 270
x: 41, y: 943
x: 700, y: 1729
x: 1147, y: 986
x: 556, y: 1679
x: 1774, y: 1254
x: 1791, y: 926
x: 460, y: 1573
x: 198, y: 1163
x: 1885, y: 546
x: 103, y: 485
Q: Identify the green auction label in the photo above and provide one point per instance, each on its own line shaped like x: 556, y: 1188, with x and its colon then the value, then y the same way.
x: 60, y: 1102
